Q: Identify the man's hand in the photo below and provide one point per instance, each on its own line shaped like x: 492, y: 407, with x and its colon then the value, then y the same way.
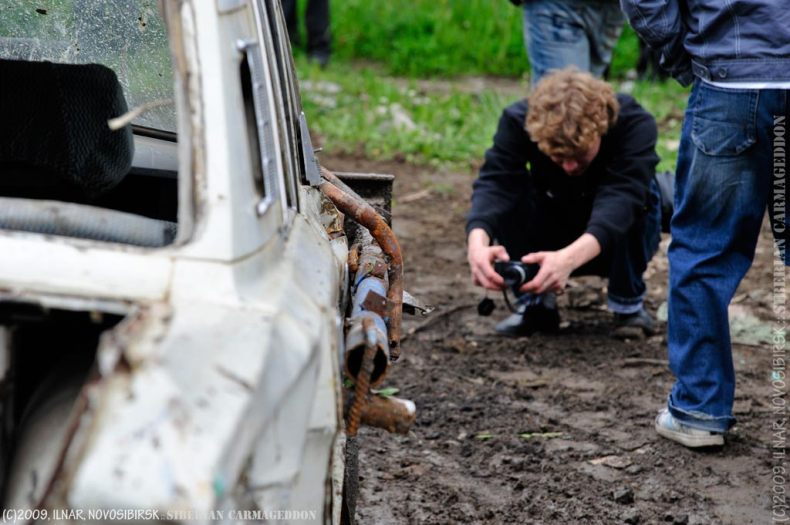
x: 555, y: 269
x: 481, y: 257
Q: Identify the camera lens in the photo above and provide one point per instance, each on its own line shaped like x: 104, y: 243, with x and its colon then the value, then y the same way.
x: 515, y: 275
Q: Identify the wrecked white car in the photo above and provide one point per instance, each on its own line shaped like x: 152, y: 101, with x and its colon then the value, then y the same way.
x: 181, y: 290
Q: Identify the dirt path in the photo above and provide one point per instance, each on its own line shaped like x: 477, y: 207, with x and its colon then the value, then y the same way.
x: 547, y: 429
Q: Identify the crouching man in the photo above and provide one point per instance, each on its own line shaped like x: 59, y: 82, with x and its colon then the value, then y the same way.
x: 569, y: 184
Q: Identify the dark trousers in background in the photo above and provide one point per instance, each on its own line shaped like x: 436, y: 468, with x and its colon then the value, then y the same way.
x: 538, y: 225
x: 317, y: 21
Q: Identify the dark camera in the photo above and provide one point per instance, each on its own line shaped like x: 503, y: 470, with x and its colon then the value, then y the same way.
x: 515, y: 273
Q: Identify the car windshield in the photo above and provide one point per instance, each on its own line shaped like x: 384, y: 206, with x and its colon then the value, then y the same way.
x: 127, y: 36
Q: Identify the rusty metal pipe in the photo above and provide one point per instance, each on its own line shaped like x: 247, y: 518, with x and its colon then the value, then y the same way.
x: 357, y: 342
x: 365, y: 215
x: 340, y: 183
x: 337, y: 181
x: 390, y: 413
x: 362, y: 383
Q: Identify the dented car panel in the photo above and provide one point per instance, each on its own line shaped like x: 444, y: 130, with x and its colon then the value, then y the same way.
x: 216, y: 389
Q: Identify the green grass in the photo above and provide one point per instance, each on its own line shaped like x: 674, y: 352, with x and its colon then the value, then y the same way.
x: 431, y: 37
x: 385, y: 117
x: 419, y: 38
x: 359, y: 110
x: 625, y: 54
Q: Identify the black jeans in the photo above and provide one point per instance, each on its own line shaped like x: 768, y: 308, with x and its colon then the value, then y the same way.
x: 317, y: 20
x: 538, y: 226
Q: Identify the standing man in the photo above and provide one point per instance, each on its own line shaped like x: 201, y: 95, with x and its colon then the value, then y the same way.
x: 569, y: 185
x: 581, y: 33
x: 737, y: 54
x: 319, y: 37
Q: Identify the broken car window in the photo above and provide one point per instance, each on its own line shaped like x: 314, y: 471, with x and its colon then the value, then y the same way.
x: 128, y: 36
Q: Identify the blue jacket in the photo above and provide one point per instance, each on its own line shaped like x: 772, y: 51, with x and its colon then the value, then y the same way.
x: 718, y: 40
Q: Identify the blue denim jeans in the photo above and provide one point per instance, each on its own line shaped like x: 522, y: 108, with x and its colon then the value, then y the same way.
x: 560, y: 33
x: 725, y: 176
x: 623, y: 265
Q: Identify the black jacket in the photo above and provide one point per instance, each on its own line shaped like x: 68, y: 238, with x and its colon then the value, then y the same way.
x: 604, y: 201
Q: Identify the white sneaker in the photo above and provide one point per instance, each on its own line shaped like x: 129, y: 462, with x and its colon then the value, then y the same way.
x: 670, y: 428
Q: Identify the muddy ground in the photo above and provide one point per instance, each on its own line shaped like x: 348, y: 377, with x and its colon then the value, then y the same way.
x: 547, y: 429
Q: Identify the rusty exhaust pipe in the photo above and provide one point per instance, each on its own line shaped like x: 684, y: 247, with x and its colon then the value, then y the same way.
x: 369, y: 301
x: 365, y: 215
x: 378, y: 296
x: 357, y: 341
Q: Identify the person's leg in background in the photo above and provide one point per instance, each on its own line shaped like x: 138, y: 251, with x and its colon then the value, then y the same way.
x: 629, y: 259
x: 319, y: 36
x: 722, y: 189
x: 291, y: 21
x: 603, y: 22
x: 555, y: 37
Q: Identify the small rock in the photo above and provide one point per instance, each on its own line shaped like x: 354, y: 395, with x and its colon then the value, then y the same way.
x: 614, y: 461
x: 662, y: 314
x: 683, y: 519
x: 401, y: 118
x: 631, y: 516
x: 634, y: 470
x: 623, y: 495
x: 673, y: 496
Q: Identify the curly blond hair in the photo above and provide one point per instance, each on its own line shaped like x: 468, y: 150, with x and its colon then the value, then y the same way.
x: 568, y: 111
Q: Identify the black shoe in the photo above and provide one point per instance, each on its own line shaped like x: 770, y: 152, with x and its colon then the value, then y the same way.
x: 529, y: 319
x: 634, y: 326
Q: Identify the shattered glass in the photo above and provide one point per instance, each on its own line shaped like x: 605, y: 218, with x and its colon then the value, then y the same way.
x: 127, y: 36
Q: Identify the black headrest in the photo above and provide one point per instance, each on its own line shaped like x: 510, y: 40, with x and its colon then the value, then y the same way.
x: 53, y: 119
